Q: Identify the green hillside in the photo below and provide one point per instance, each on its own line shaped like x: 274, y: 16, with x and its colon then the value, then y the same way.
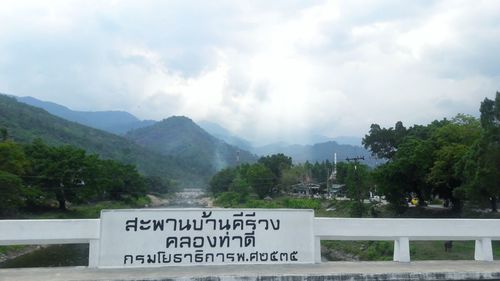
x: 180, y: 137
x: 25, y: 123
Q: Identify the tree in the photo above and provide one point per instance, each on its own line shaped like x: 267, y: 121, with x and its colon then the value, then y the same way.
x: 4, y: 134
x: 481, y: 164
x: 123, y: 181
x: 12, y: 158
x: 241, y: 187
x: 10, y: 192
x: 292, y: 176
x: 405, y: 175
x: 261, y: 179
x: 357, y: 183
x: 276, y: 163
x: 13, y: 165
x: 221, y: 181
x: 57, y: 171
x: 451, y: 142
x: 384, y: 142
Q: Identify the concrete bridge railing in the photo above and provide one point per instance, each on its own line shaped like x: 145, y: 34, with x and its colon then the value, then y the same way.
x: 42, y: 232
x: 401, y: 231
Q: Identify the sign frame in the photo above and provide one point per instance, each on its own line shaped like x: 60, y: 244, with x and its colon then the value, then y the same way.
x: 168, y: 237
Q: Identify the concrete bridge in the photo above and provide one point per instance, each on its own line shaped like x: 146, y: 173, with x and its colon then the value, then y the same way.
x: 401, y: 231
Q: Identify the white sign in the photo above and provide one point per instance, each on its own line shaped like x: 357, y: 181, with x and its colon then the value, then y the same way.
x: 163, y: 237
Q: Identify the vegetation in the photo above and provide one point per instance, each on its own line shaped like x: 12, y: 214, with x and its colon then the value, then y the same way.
x: 23, y: 124
x: 33, y: 175
x: 456, y: 160
x: 180, y: 137
x: 275, y: 175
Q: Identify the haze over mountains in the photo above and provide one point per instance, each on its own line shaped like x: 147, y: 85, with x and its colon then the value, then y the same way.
x: 204, y: 146
x: 26, y: 123
x: 117, y: 122
x: 179, y: 136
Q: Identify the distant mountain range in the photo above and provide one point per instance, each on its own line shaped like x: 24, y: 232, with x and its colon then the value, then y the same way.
x: 179, y: 136
x: 116, y: 122
x: 25, y: 123
x: 318, y: 152
x: 215, y: 145
x: 175, y: 148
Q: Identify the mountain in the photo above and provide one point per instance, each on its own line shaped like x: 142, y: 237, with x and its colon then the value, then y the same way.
x: 25, y: 123
x: 180, y: 137
x: 117, y: 122
x: 317, y: 152
x: 356, y: 141
x: 222, y: 133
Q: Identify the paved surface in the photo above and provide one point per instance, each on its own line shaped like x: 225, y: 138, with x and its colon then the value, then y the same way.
x: 424, y: 270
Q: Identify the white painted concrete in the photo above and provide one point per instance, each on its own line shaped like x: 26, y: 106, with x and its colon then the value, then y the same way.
x: 331, y: 271
x: 172, y: 237
x: 19, y: 232
x: 401, y: 231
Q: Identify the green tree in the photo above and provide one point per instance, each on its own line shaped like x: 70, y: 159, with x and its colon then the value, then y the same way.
x: 13, y: 165
x: 276, y: 163
x: 241, y: 187
x: 12, y: 158
x: 452, y: 142
x: 4, y: 134
x: 358, y: 184
x: 481, y: 164
x: 10, y: 192
x: 261, y: 179
x: 384, y: 142
x: 221, y: 181
x: 123, y: 182
x: 405, y: 175
x: 57, y: 171
x: 292, y: 176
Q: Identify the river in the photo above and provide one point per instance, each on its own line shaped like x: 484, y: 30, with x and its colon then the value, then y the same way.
x: 77, y: 254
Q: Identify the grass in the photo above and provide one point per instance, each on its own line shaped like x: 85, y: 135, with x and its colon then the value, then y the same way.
x: 6, y: 249
x: 383, y: 250
x: 357, y: 250
x: 87, y: 211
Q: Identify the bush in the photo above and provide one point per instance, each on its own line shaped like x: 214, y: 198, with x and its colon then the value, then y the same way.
x: 228, y: 199
x: 301, y: 203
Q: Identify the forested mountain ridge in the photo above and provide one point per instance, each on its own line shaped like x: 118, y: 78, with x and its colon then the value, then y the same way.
x: 117, y: 122
x: 318, y: 152
x: 179, y: 136
x: 25, y: 123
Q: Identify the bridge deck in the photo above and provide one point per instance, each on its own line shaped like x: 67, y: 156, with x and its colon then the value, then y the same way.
x: 421, y: 270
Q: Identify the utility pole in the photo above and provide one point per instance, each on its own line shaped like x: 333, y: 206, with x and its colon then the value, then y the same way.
x: 331, y: 177
x: 356, y: 180
x: 356, y: 160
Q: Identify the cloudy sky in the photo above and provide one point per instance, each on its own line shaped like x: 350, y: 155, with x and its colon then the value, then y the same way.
x: 266, y: 70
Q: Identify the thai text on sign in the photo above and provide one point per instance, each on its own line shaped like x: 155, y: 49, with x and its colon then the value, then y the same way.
x: 164, y: 237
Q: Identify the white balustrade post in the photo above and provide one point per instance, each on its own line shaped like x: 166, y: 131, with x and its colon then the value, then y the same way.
x: 317, y: 249
x: 93, y: 253
x: 483, y: 250
x: 402, y: 249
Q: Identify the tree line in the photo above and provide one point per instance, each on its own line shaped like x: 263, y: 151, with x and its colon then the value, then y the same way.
x: 31, y: 175
x: 456, y: 160
x: 274, y: 175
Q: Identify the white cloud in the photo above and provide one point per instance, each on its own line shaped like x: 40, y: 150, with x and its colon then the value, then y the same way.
x: 267, y: 71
